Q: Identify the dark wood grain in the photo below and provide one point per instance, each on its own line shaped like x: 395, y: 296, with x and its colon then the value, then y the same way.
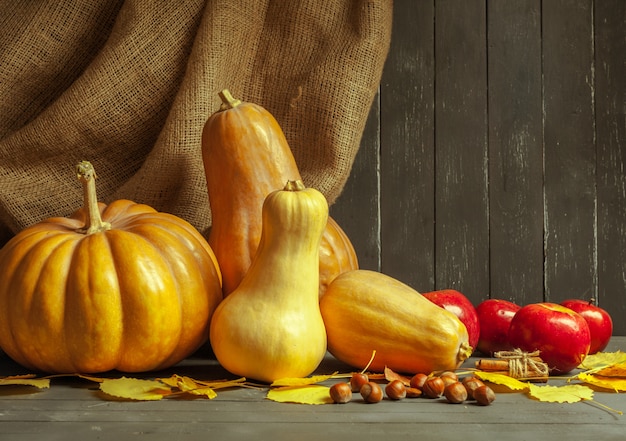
x: 570, y: 157
x: 461, y: 182
x: 357, y: 208
x: 515, y: 150
x: 496, y: 164
x: 407, y: 148
x: 610, y: 99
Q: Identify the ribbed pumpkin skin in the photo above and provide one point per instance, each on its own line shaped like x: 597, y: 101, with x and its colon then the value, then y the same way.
x: 366, y: 311
x: 136, y: 297
x: 244, y: 144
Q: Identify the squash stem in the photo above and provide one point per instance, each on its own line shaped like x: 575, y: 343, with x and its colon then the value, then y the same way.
x: 296, y: 185
x: 228, y: 102
x: 87, y: 176
x: 465, y: 351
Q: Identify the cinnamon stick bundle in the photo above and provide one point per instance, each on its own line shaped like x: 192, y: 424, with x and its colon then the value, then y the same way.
x: 517, y: 364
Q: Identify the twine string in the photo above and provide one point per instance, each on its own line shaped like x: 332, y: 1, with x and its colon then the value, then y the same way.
x: 524, y: 364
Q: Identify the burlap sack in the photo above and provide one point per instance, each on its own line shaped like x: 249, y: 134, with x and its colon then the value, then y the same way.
x: 128, y: 85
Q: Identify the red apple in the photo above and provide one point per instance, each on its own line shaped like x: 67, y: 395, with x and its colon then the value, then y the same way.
x: 458, y: 304
x: 561, y: 335
x: 494, y: 316
x: 598, y: 319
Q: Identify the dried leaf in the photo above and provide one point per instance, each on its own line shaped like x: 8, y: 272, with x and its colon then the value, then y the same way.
x: 312, y: 394
x: 561, y: 394
x: 25, y: 380
x: 135, y: 389
x: 223, y: 384
x: 19, y: 377
x: 502, y: 379
x: 90, y: 378
x: 390, y: 376
x: 600, y: 360
x: 300, y: 381
x: 612, y: 383
x: 376, y: 377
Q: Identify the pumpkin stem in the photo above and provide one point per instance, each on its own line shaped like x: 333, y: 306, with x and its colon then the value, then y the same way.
x: 87, y: 176
x: 228, y: 102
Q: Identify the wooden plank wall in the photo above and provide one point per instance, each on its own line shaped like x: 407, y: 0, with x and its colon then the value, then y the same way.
x: 493, y: 160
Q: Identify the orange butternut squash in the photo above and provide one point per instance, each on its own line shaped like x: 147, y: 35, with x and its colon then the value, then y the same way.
x: 246, y: 157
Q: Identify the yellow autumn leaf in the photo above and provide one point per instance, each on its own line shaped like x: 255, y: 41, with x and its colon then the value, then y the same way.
x: 174, y: 380
x: 134, y: 389
x: 311, y: 394
x: 25, y: 380
x: 561, y: 394
x: 616, y: 370
x: 502, y: 379
x: 171, y: 381
x: 204, y: 391
x: 612, y: 383
x: 189, y: 385
x: 601, y: 360
x: 300, y: 381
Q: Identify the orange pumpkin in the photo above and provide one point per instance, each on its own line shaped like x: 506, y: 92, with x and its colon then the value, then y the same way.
x: 243, y: 143
x: 111, y: 287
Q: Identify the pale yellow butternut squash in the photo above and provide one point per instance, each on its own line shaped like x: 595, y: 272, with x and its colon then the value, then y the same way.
x: 366, y: 311
x: 270, y: 326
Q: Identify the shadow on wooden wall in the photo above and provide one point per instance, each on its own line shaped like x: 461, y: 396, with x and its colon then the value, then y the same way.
x: 493, y: 161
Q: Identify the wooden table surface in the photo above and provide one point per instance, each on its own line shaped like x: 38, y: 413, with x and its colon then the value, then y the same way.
x: 74, y: 409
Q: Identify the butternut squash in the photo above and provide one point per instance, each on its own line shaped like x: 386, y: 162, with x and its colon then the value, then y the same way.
x: 270, y: 326
x: 366, y: 311
x: 243, y: 143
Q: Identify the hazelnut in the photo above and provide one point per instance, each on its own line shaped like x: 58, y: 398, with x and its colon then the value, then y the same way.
x: 449, y: 374
x: 471, y: 385
x: 469, y: 378
x: 484, y: 395
x: 357, y: 380
x: 371, y: 392
x: 417, y: 381
x: 395, y: 390
x: 455, y: 393
x: 341, y: 393
x: 449, y: 379
x: 433, y: 387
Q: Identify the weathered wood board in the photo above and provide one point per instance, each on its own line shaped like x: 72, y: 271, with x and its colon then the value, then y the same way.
x: 74, y: 409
